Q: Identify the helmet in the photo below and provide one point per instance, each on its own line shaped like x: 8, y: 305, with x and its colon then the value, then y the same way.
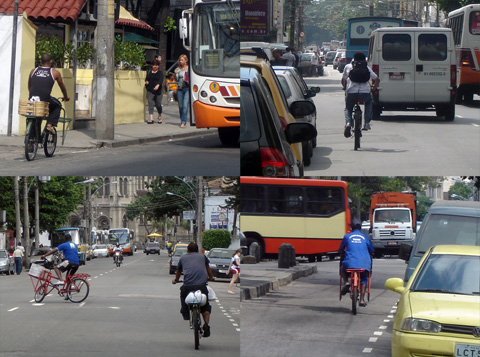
x: 118, y: 244
x: 356, y: 224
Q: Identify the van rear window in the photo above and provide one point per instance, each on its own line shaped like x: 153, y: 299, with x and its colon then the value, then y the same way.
x: 432, y: 47
x: 396, y: 47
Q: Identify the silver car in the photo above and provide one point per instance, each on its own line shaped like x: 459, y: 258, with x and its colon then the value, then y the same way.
x: 6, y: 263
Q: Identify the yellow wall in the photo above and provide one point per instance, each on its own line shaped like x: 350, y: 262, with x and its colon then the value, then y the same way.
x: 130, y: 95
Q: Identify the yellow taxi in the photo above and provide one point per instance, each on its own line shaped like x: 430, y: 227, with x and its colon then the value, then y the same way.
x: 247, y: 59
x: 438, y: 313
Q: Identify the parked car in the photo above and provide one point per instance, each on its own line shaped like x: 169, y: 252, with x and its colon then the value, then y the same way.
x: 179, y: 250
x: 438, y: 313
x: 305, y: 64
x: 6, y: 263
x: 294, y: 92
x: 446, y: 222
x: 342, y: 62
x: 297, y: 109
x: 100, y: 250
x: 152, y: 248
x: 264, y: 138
x: 336, y: 59
x: 329, y: 57
x: 220, y: 259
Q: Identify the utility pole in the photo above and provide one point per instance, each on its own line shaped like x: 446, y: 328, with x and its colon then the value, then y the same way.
x: 199, y: 212
x: 105, y: 108
x: 292, y: 23
x: 18, y: 221
x: 26, y: 223
x: 37, y: 213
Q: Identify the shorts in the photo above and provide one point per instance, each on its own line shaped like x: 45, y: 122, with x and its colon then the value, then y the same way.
x: 235, y: 269
x: 71, y: 268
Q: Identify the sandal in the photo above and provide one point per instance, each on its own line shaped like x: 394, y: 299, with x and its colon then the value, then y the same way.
x: 150, y: 122
x: 182, y: 126
x: 159, y: 121
x: 363, y: 304
x: 50, y: 129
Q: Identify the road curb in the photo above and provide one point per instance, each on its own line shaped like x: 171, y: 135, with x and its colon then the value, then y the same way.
x: 264, y: 287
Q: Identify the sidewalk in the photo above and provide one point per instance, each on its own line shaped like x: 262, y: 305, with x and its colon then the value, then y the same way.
x: 259, y: 279
x: 125, y: 134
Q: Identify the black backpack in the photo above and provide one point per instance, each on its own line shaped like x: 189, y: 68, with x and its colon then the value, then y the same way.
x: 359, y: 72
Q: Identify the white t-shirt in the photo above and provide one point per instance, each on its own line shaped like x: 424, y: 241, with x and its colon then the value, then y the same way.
x: 353, y: 87
x: 314, y: 60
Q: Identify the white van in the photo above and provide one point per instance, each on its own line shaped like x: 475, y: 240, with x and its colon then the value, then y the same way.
x: 417, y: 70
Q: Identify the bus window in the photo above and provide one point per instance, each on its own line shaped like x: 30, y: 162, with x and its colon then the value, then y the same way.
x: 324, y: 200
x: 475, y: 22
x: 252, y: 199
x: 396, y: 47
x: 285, y: 199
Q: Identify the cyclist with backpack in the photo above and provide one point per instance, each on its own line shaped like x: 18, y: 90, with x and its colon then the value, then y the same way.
x: 355, y: 82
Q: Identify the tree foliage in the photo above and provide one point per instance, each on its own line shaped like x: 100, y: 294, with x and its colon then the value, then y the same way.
x: 58, y: 198
x: 460, y: 189
x: 216, y: 238
x: 450, y: 5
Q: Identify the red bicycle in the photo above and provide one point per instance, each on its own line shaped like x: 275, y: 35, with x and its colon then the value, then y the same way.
x: 355, y: 286
x: 75, y: 287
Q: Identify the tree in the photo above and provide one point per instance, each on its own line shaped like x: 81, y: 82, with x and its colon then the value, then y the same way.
x: 58, y: 199
x: 450, y: 5
x: 460, y: 190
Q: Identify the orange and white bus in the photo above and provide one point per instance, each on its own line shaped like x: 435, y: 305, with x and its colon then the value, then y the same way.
x: 465, y: 25
x: 210, y: 30
x: 311, y: 215
x: 123, y: 236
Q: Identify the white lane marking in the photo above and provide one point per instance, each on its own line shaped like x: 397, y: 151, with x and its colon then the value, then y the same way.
x: 373, y: 339
x: 378, y: 333
x: 382, y: 327
x: 390, y: 316
x: 238, y: 329
x: 13, y: 309
x: 367, y: 350
x: 475, y: 125
x: 40, y: 304
x: 386, y: 320
x: 81, y: 304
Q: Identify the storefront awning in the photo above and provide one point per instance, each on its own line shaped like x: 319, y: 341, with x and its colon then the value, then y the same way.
x: 127, y: 19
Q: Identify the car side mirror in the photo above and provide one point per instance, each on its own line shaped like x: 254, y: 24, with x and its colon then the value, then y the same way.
x: 312, y: 92
x: 302, y: 108
x: 298, y: 132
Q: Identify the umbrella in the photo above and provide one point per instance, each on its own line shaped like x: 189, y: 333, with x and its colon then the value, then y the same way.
x: 154, y: 235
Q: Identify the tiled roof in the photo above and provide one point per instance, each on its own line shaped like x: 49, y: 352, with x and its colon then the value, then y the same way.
x: 45, y: 10
x: 127, y: 19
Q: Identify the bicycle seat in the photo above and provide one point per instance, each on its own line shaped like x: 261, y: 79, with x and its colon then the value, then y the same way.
x: 355, y: 270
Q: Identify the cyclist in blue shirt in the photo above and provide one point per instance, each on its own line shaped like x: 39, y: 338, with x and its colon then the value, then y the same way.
x: 71, y: 262
x: 358, y: 250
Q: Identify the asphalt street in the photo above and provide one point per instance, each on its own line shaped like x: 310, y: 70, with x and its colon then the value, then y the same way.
x: 306, y: 317
x: 400, y: 143
x: 131, y: 311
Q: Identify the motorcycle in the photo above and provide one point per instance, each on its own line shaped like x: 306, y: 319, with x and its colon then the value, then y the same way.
x: 117, y: 258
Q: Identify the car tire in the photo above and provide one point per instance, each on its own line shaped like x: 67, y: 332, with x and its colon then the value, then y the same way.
x: 450, y: 112
x: 376, y: 112
x: 229, y: 136
x: 306, y: 150
x: 148, y: 253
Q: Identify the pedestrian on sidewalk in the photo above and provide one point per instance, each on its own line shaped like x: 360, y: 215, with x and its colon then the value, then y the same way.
x: 154, y: 83
x: 18, y: 256
x: 171, y: 88
x: 235, y: 268
x: 183, y: 91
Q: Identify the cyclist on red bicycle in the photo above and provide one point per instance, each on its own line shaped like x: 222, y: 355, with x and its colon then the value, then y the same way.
x: 40, y: 84
x: 71, y: 262
x: 355, y: 82
x: 357, y: 248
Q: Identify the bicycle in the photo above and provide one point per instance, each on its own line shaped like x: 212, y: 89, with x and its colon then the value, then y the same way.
x: 355, y: 286
x: 75, y: 287
x: 357, y: 123
x: 35, y: 113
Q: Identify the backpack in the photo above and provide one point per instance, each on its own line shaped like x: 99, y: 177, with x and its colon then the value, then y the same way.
x: 359, y: 72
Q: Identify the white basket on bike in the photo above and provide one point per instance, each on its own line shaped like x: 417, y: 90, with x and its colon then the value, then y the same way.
x: 196, y: 298
x: 36, y: 270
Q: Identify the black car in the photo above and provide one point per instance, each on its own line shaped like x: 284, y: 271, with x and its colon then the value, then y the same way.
x: 153, y: 248
x: 264, y: 144
x: 220, y: 259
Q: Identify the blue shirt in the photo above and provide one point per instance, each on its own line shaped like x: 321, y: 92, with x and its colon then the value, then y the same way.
x: 70, y: 251
x: 357, y: 248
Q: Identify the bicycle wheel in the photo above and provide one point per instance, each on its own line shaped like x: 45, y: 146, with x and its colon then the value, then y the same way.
x: 49, y: 143
x: 40, y: 293
x: 196, y: 325
x: 77, y: 290
x: 31, y: 143
x: 357, y: 118
x: 354, y: 299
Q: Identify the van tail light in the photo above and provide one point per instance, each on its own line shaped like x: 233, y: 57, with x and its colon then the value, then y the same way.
x: 466, y: 59
x: 453, y: 75
x: 274, y: 163
x: 284, y: 122
x: 376, y: 69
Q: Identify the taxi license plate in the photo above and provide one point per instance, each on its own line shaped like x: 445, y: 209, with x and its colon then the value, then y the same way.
x: 392, y: 243
x: 222, y: 271
x: 464, y: 350
x: 396, y: 76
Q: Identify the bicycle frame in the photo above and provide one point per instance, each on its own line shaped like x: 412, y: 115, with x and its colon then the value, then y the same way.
x: 44, y: 282
x: 357, y: 122
x: 195, y: 322
x: 355, y: 287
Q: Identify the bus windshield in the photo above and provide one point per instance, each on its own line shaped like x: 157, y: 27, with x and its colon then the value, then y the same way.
x: 120, y: 236
x: 216, y: 39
